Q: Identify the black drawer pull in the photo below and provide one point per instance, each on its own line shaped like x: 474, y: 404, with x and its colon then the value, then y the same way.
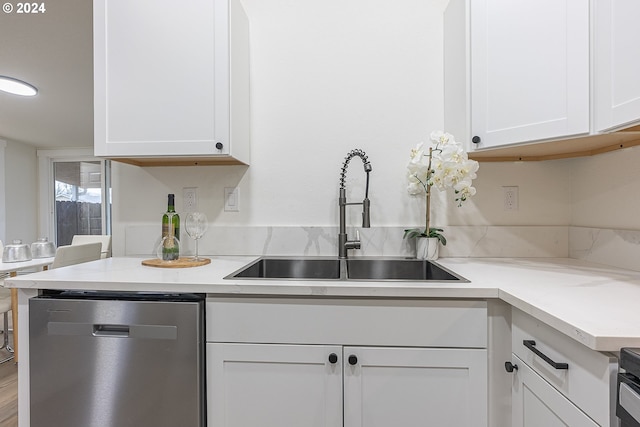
x: 530, y: 344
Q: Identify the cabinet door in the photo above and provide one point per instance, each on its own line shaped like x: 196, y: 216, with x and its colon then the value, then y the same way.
x: 535, y: 403
x: 161, y: 77
x: 273, y: 385
x: 529, y: 70
x: 616, y: 64
x: 415, y: 387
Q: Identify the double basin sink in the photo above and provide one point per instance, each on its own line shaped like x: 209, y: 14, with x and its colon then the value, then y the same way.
x: 364, y: 269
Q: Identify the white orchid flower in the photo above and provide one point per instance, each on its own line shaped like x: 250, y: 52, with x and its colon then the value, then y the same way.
x: 417, y: 154
x: 444, y: 164
x: 450, y: 167
x: 441, y: 139
x: 414, y: 188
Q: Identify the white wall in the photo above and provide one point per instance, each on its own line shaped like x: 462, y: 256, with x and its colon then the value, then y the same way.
x: 605, y: 190
x: 331, y: 76
x: 326, y: 77
x: 21, y: 200
x: 544, y: 196
x: 605, y: 214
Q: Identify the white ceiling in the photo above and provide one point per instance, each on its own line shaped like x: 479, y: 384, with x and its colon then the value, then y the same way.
x: 52, y: 51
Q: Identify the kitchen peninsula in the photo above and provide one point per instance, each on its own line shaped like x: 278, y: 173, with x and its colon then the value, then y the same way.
x: 573, y: 299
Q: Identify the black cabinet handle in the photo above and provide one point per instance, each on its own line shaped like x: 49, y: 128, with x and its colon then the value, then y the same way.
x: 333, y: 358
x: 353, y: 359
x: 510, y: 367
x: 530, y: 344
x: 219, y: 145
x: 476, y: 140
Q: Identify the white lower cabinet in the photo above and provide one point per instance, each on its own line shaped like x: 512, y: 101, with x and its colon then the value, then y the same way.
x: 415, y: 387
x: 535, y: 403
x: 301, y: 385
x: 273, y: 385
x: 353, y: 375
x: 558, y: 381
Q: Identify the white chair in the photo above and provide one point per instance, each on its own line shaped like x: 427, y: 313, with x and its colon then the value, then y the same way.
x: 76, y: 254
x: 105, y: 240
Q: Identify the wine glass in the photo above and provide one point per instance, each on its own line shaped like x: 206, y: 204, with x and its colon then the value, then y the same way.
x: 196, y: 225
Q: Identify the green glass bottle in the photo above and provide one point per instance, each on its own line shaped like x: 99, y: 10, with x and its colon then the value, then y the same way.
x: 170, y: 228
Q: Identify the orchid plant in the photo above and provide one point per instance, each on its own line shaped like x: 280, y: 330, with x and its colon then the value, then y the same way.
x: 443, y: 164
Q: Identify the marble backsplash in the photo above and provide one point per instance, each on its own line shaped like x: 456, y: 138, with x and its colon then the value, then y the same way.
x: 618, y: 248
x: 463, y: 241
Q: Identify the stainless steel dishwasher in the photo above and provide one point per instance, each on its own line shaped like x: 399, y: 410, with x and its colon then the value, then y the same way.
x: 99, y: 359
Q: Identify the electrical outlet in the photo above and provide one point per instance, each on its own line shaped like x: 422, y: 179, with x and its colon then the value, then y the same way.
x: 231, y: 196
x: 189, y: 199
x: 510, y: 198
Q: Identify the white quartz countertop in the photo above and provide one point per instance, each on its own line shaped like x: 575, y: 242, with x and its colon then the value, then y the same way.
x: 594, y: 304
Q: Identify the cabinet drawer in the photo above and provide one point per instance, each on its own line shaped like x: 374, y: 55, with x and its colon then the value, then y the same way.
x: 587, y: 381
x: 410, y: 323
x: 536, y: 402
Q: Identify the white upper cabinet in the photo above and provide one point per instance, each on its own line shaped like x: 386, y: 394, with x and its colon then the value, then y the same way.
x: 617, y: 63
x: 516, y: 71
x: 171, y: 80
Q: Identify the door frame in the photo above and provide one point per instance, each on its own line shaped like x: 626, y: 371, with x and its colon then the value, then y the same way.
x: 3, y: 204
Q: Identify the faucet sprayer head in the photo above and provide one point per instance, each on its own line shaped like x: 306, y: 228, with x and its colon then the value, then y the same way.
x: 366, y: 217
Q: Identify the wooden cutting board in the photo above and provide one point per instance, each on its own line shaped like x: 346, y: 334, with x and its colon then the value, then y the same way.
x: 179, y: 263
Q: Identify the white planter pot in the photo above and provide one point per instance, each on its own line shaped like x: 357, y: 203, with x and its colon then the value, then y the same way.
x: 427, y: 248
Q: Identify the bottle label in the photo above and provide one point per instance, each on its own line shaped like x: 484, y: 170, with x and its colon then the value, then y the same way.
x: 170, y: 242
x: 168, y: 230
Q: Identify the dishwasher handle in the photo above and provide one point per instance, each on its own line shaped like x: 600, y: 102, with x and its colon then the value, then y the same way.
x: 111, y: 330
x: 530, y: 344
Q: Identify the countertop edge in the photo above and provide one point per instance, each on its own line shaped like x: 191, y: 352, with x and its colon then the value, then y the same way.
x: 489, y: 279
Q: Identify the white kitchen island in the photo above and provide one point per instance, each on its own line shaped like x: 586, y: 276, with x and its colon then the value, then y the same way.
x: 593, y: 305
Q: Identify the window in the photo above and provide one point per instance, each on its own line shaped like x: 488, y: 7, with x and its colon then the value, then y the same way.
x: 76, y: 191
x: 78, y: 199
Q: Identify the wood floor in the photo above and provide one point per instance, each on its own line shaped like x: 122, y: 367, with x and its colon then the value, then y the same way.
x: 8, y: 392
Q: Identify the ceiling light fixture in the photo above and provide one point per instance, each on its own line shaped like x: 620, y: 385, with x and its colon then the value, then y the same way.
x: 17, y: 87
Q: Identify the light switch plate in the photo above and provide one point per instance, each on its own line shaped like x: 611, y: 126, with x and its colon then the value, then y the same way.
x: 231, y: 199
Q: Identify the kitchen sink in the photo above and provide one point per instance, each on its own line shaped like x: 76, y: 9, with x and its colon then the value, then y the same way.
x: 402, y: 269
x: 373, y: 269
x: 290, y: 268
